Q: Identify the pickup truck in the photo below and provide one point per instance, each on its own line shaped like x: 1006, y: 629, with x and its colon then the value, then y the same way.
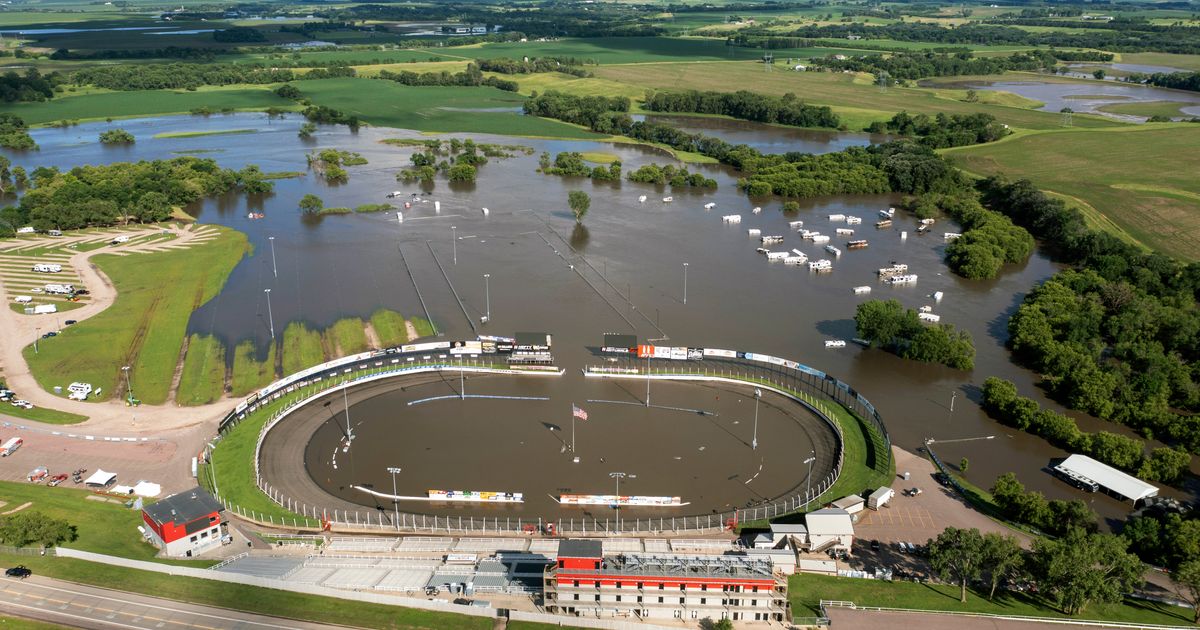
x: 57, y: 479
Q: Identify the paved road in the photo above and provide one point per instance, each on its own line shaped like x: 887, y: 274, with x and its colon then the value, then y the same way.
x: 100, y: 609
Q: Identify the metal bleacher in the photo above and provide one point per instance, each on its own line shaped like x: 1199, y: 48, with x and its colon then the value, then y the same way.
x: 404, y: 580
x: 656, y: 545
x: 621, y: 545
x: 311, y: 575
x: 421, y: 543
x: 490, y: 545
x: 351, y: 578
x: 706, y: 545
x: 544, y: 546
x: 264, y: 566
x: 372, y: 545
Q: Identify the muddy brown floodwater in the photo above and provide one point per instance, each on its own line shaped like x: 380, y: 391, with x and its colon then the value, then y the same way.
x: 622, y: 270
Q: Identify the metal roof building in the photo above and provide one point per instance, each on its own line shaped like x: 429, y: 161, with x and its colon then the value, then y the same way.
x: 1109, y: 479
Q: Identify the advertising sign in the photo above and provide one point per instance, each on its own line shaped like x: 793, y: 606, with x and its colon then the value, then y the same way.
x: 717, y: 352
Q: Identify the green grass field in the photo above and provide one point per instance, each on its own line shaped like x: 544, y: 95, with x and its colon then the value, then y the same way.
x: 252, y: 599
x: 17, y: 623
x: 438, y: 109
x: 1147, y: 108
x: 1183, y: 62
x: 1141, y: 178
x: 249, y: 373
x: 624, y: 50
x: 346, y: 336
x: 301, y: 348
x: 41, y: 414
x: 203, y: 378
x: 144, y: 328
x: 389, y: 326
x: 806, y: 590
x: 423, y: 326
x: 856, y: 100
x: 101, y: 105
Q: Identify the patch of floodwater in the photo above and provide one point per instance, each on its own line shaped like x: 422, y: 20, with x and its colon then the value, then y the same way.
x: 1087, y: 97
x: 193, y: 31
x: 64, y: 31
x: 1128, y: 67
x: 768, y: 138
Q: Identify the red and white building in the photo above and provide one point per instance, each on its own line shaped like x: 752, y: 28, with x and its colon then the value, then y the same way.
x: 583, y: 582
x: 185, y: 524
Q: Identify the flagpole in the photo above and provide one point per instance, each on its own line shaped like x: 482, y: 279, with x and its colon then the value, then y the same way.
x: 572, y: 428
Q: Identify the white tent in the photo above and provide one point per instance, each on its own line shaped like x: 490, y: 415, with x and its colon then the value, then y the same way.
x: 147, y: 489
x: 100, y: 479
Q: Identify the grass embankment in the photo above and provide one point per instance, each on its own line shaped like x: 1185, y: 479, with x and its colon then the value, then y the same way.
x: 101, y: 105
x: 855, y: 100
x: 1170, y: 109
x: 145, y: 326
x: 423, y: 326
x: 347, y: 336
x: 203, y: 379
x: 301, y: 348
x: 40, y: 414
x: 1141, y: 178
x: 251, y: 599
x: 806, y: 591
x: 249, y: 373
x: 16, y: 623
x: 440, y: 109
x: 389, y: 327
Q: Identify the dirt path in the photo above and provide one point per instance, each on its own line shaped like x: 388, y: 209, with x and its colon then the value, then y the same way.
x: 410, y: 330
x: 373, y: 341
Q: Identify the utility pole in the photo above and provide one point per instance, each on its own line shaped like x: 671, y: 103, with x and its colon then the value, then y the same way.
x: 487, y: 292
x: 274, y: 267
x: 454, y: 241
x: 757, y: 397
x: 270, y: 315
x: 346, y: 404
x: 647, y: 379
x: 617, y: 503
x: 395, y: 498
x: 685, y: 266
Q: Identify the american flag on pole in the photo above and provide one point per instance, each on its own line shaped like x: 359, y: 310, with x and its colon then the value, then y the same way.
x: 577, y: 412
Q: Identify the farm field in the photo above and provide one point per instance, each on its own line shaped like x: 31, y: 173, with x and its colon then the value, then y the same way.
x: 438, y: 109
x: 158, y: 292
x: 1183, y: 62
x: 1157, y: 202
x: 625, y: 50
x: 100, y: 105
x: 859, y: 102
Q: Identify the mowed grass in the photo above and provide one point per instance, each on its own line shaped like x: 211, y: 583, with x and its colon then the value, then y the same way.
x: 423, y: 326
x: 1183, y: 62
x: 145, y: 326
x: 855, y: 99
x: 807, y: 590
x: 438, y: 109
x: 16, y: 623
x: 301, y: 348
x: 249, y: 373
x: 1141, y: 178
x: 1169, y: 109
x: 101, y: 105
x: 253, y: 599
x: 347, y: 336
x: 41, y: 414
x: 389, y: 327
x: 203, y: 378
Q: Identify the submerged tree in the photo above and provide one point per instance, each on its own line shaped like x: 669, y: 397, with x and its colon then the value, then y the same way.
x: 579, y: 202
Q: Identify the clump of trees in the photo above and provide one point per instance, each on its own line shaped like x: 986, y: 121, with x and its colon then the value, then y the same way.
x: 745, y: 105
x: 311, y: 204
x: 472, y: 76
x: 572, y: 164
x: 989, y: 239
x: 919, y: 65
x: 965, y: 555
x: 467, y: 157
x: 239, y: 35
x: 677, y: 177
x: 116, y: 136
x: 887, y: 324
x: 1055, y: 517
x: 30, y: 87
x: 330, y: 162
x: 1001, y: 401
x: 330, y: 116
x: 14, y: 133
x: 504, y: 65
x: 579, y: 202
x: 942, y: 131
x: 603, y: 114
x: 27, y: 528
x: 148, y: 191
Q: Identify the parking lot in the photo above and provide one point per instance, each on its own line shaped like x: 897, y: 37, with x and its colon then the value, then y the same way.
x: 131, y: 461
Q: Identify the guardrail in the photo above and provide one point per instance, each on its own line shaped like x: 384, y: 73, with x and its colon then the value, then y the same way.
x: 807, y: 386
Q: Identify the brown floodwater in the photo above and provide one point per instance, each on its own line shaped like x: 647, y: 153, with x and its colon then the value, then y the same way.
x: 621, y: 270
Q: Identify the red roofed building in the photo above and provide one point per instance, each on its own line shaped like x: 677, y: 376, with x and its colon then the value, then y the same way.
x: 585, y: 583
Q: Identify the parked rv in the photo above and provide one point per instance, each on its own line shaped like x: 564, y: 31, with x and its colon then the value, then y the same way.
x: 11, y: 446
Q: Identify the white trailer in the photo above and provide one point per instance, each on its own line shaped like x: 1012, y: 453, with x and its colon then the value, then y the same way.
x: 880, y: 498
x: 44, y: 309
x: 45, y: 268
x: 11, y: 446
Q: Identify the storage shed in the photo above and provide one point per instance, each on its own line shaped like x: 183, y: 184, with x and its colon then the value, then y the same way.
x: 1081, y: 469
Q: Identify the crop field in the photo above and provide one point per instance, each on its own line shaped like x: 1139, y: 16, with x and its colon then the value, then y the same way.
x: 144, y: 328
x: 858, y: 101
x: 352, y: 57
x: 625, y: 50
x: 146, y: 103
x: 439, y: 109
x: 1120, y: 173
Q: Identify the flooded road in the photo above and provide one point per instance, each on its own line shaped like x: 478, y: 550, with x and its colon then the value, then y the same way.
x: 621, y: 271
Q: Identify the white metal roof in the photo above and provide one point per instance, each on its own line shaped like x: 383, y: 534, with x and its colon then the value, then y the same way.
x: 848, y: 502
x: 100, y: 478
x: 1125, y: 485
x: 829, y: 522
x: 788, y: 528
x: 882, y: 492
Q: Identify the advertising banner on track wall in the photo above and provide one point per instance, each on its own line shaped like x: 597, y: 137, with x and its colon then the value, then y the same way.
x: 662, y: 352
x: 679, y: 354
x: 717, y: 352
x: 644, y: 351
x: 466, y: 347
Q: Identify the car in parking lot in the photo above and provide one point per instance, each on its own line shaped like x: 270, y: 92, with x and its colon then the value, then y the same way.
x: 57, y: 479
x: 70, y: 321
x: 19, y: 572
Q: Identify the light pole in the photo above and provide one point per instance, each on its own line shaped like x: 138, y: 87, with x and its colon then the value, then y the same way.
x: 617, y: 503
x: 754, y: 440
x: 685, y: 266
x: 274, y: 267
x: 808, y: 482
x: 128, y: 386
x: 647, y: 379
x: 454, y: 241
x: 36, y: 336
x: 270, y: 315
x: 395, y: 500
x: 953, y: 395
x: 487, y: 292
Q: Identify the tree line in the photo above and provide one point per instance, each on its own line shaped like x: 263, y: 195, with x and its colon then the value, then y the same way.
x: 1118, y: 336
x: 472, y: 76
x: 677, y: 177
x: 745, y: 105
x: 150, y: 76
x: 572, y: 164
x: 148, y: 191
x: 1174, y: 80
x: 919, y: 65
x: 32, y: 86
x: 1001, y: 401
x: 944, y: 131
x: 887, y: 324
x: 504, y: 65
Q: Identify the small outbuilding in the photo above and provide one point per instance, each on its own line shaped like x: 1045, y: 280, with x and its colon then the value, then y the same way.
x: 185, y: 524
x: 820, y: 567
x: 830, y: 528
x: 853, y: 504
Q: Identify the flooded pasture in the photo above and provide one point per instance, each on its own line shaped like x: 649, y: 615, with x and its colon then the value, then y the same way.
x: 1090, y: 97
x: 622, y: 270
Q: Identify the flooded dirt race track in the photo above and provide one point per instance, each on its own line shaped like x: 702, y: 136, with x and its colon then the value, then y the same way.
x: 670, y: 271
x: 696, y: 442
